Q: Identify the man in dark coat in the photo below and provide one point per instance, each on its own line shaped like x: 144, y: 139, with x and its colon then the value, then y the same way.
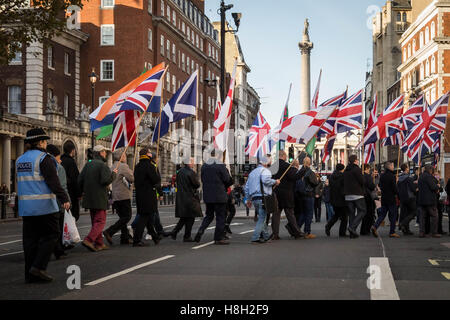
x: 215, y: 179
x: 310, y: 182
x: 428, y: 187
x: 94, y: 180
x: 72, y: 173
x: 354, y: 194
x: 407, y: 191
x: 389, y: 190
x: 187, y: 205
x: 337, y: 199
x: 369, y: 185
x: 285, y: 196
x: 147, y: 182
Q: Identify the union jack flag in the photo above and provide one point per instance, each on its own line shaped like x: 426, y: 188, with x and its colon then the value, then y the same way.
x: 329, y: 127
x: 412, y: 115
x: 387, y: 124
x: 123, y: 128
x: 370, y: 149
x: 259, y: 143
x: 430, y: 143
x: 369, y: 153
x: 141, y: 96
x: 349, y: 116
x: 328, y: 148
x: 395, y: 140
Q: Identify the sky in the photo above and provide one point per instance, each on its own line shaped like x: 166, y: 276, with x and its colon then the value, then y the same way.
x: 271, y: 30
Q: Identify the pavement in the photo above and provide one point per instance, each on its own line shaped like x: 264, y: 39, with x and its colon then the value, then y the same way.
x: 325, y: 268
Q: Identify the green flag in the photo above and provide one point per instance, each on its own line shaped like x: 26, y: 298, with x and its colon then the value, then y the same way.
x: 105, y: 132
x: 311, y: 146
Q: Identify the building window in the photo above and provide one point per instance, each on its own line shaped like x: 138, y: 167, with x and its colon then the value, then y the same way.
x: 66, y: 105
x: 150, y: 39
x: 433, y: 30
x: 107, y: 3
x: 183, y: 65
x: 209, y: 75
x: 404, y: 17
x: 107, y: 70
x: 49, y: 95
x: 179, y: 59
x: 201, y: 74
x: 162, y: 45
x: 414, y: 78
x: 162, y: 8
x: 174, y: 18
x: 427, y: 68
x: 192, y: 36
x: 192, y: 66
x: 102, y: 100
x: 50, y: 61
x: 107, y: 38
x: 209, y: 104
x: 168, y: 13
x: 174, y: 84
x: 188, y: 33
x: 197, y: 41
x: 168, y: 48
x: 174, y: 53
x: 427, y: 35
x: 183, y: 27
x: 409, y: 50
x: 433, y: 95
x: 433, y: 65
x: 404, y: 55
x: 66, y: 64
x: 188, y: 65
x: 168, y: 82
x: 399, y: 17
x: 409, y: 81
x: 414, y: 46
x: 421, y: 39
x: 150, y: 6
x: 17, y: 57
x: 422, y: 72
x: 14, y: 99
x: 201, y: 101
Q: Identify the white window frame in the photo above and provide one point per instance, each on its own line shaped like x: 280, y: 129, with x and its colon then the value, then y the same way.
x: 201, y: 74
x: 174, y: 53
x: 201, y: 101
x: 188, y: 65
x: 433, y: 65
x: 102, y: 71
x: 67, y: 64
x: 107, y: 6
x: 183, y: 62
x: 409, y: 50
x: 433, y: 30
x: 66, y: 105
x: 50, y: 60
x: 183, y: 27
x: 192, y: 66
x: 421, y: 39
x: 150, y: 6
x: 50, y: 94
x: 168, y: 49
x: 168, y: 13
x: 150, y: 39
x: 102, y: 100
x: 197, y: 41
x: 174, y: 84
x: 427, y: 68
x: 414, y: 45
x: 102, y: 27
x: 167, y: 85
x: 17, y: 60
x: 162, y: 8
x: 174, y: 17
x: 16, y: 101
x: 422, y: 72
x: 162, y: 48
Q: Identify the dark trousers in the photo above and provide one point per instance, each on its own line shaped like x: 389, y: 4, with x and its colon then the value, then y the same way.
x: 157, y: 223
x: 440, y: 217
x: 231, y: 212
x: 306, y: 214
x: 123, y: 208
x: 393, y: 213
x: 220, y: 211
x: 141, y: 222
x: 340, y: 213
x: 187, y: 223
x: 355, y: 219
x: 75, y: 209
x: 59, y: 246
x: 431, y: 212
x: 289, y: 212
x: 369, y: 218
x: 40, y: 234
x: 318, y: 209
x: 408, y: 211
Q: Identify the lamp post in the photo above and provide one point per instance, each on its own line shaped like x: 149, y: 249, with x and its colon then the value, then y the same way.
x: 93, y: 79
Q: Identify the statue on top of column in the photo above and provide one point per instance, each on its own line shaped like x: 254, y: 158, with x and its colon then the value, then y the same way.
x: 306, y: 31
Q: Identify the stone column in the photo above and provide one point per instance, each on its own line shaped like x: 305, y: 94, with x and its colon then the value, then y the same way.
x: 20, y: 148
x: 6, y: 168
x: 305, y: 47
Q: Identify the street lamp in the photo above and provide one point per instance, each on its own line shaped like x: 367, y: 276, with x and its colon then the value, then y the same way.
x: 93, y: 79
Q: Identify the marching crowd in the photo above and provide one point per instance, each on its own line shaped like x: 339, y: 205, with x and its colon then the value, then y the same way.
x: 49, y: 184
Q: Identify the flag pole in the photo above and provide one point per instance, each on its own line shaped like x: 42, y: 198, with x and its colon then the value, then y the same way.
x: 140, y: 120
x: 159, y: 121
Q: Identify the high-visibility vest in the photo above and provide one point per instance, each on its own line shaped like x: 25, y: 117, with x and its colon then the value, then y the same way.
x: 35, y: 197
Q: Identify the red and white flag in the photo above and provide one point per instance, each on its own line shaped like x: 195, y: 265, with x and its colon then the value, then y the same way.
x: 315, y: 99
x: 124, y: 126
x: 222, y: 122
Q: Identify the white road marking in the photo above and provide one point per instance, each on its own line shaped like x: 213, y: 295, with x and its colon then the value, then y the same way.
x: 433, y: 262
x: 121, y: 273
x: 4, y: 243
x: 446, y: 275
x: 446, y: 245
x: 203, y: 245
x: 10, y: 254
x: 249, y: 231
x: 169, y: 226
x: 387, y: 289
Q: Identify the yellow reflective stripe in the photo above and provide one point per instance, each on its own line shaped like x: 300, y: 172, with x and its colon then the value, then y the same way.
x: 30, y: 178
x: 38, y: 197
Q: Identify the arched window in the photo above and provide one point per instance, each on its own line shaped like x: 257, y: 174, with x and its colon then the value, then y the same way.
x: 414, y: 46
x: 409, y: 50
x: 427, y: 68
x: 404, y: 16
x: 404, y: 55
x: 414, y: 78
x: 427, y: 35
x: 421, y: 40
x: 433, y: 65
x: 422, y: 72
x: 399, y: 17
x: 433, y: 30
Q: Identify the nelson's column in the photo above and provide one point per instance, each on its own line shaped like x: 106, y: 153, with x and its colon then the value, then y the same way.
x: 305, y: 47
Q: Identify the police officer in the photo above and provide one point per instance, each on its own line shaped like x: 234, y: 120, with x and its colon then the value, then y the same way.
x: 39, y: 190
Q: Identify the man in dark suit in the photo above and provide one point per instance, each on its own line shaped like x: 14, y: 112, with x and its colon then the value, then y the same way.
x: 215, y: 179
x: 285, y: 196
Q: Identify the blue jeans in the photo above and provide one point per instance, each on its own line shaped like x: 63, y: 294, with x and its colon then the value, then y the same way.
x: 306, y: 215
x: 330, y: 211
x: 261, y: 225
x: 393, y: 213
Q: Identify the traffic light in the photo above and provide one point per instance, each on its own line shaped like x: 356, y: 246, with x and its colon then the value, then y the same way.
x: 291, y: 154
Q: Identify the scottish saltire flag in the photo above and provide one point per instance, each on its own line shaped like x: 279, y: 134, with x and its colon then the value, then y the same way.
x: 259, y: 143
x: 124, y: 129
x: 222, y: 122
x: 412, y: 115
x: 104, y: 114
x: 328, y: 148
x: 315, y: 99
x: 142, y: 95
x: 349, y: 116
x: 182, y: 105
x: 388, y: 123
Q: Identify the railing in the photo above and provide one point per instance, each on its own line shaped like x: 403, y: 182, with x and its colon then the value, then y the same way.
x: 8, y: 206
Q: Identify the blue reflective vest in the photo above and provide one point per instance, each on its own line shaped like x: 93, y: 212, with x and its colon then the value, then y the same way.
x: 35, y: 197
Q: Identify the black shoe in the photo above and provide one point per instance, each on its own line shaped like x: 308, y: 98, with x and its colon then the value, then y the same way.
x: 258, y: 242
x: 198, y: 237
x: 228, y: 230
x: 108, y: 237
x: 353, y: 235
x: 327, y: 230
x: 140, y: 244
x: 41, y: 274
x: 156, y: 240
x: 221, y: 243
x: 173, y: 235
x: 188, y: 240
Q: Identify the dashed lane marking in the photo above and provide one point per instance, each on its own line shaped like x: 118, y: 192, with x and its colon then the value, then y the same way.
x: 10, y: 254
x: 231, y: 225
x: 5, y: 243
x: 121, y: 273
x: 203, y: 245
x: 245, y: 232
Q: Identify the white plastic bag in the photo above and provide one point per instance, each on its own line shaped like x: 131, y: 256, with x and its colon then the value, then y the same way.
x: 70, y: 231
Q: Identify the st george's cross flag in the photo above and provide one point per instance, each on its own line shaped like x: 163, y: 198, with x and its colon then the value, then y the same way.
x: 222, y: 122
x: 124, y: 129
x: 259, y: 143
x: 182, y: 105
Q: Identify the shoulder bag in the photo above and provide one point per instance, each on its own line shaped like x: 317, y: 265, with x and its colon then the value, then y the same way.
x: 270, y: 201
